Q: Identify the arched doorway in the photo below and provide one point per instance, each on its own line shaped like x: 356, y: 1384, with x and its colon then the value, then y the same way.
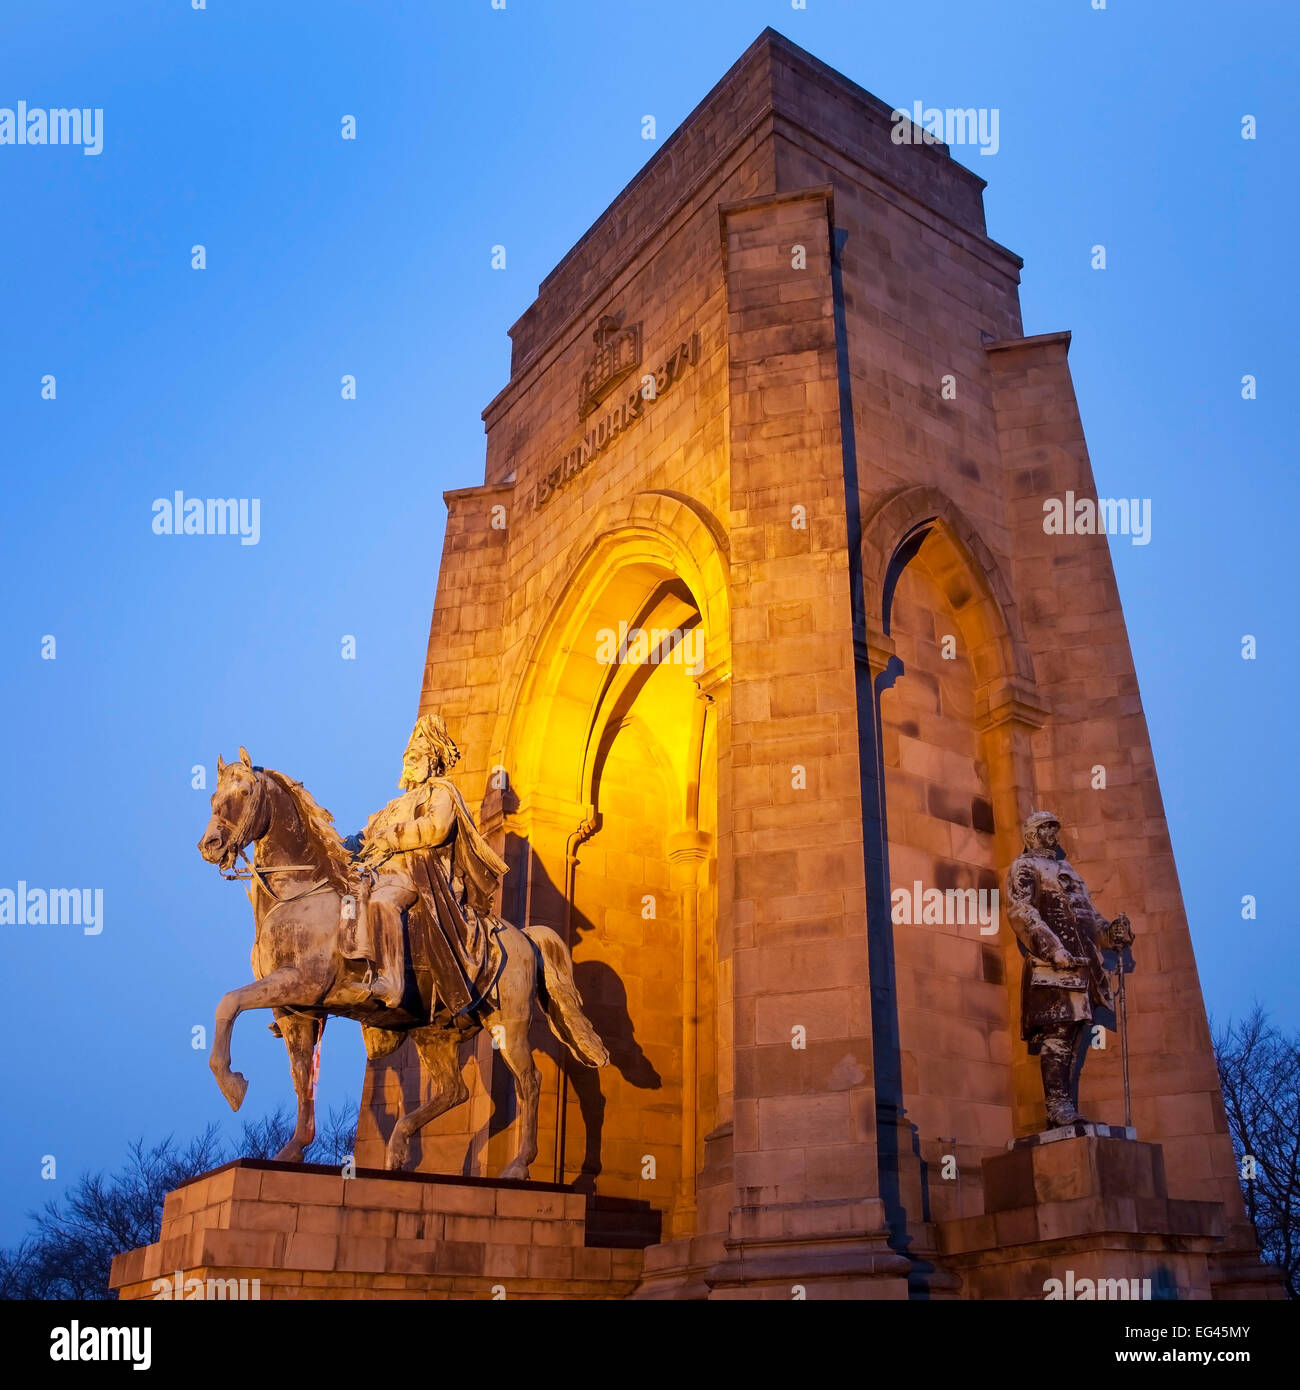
x: 950, y: 974
x: 610, y: 746
x: 951, y: 774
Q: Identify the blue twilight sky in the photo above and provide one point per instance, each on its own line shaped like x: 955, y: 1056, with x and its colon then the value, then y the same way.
x: 475, y: 127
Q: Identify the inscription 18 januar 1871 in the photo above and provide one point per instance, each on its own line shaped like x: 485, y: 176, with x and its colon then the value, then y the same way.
x: 602, y: 432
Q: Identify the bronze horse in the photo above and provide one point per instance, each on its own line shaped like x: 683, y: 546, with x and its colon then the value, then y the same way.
x: 302, y: 883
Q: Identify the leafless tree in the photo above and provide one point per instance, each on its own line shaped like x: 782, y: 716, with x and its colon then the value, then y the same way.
x: 334, y: 1141
x: 1259, y: 1071
x: 73, y: 1240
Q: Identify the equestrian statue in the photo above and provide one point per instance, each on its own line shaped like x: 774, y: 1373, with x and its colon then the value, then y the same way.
x: 393, y: 927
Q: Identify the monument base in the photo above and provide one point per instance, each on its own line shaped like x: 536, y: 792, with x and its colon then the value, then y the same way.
x: 287, y: 1230
x: 812, y: 1250
x: 1084, y: 1217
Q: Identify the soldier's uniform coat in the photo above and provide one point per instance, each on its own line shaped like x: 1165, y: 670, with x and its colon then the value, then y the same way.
x: 1047, y: 903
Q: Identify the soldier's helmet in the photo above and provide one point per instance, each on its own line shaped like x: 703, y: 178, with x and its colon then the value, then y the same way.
x: 1033, y: 822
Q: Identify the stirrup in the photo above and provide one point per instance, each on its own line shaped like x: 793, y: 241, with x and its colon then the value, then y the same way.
x: 398, y: 988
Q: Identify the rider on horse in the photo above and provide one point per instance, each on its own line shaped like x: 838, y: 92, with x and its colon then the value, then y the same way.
x: 430, y: 814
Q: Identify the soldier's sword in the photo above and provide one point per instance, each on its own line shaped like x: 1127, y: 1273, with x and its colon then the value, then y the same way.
x: 1123, y: 1039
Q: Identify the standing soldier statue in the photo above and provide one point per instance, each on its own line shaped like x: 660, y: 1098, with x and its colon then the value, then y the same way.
x: 1062, y: 936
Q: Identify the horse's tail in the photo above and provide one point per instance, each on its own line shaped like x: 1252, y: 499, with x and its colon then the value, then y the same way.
x: 561, y: 1000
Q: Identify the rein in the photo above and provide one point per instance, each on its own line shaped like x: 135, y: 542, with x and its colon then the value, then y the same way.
x: 251, y: 872
x: 254, y: 874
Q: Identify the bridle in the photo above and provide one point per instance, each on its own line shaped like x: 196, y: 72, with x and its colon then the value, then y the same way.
x: 242, y: 835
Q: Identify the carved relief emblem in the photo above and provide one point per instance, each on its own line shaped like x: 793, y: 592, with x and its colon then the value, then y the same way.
x: 618, y: 352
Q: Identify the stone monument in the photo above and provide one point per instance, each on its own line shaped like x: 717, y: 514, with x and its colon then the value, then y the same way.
x: 761, y: 645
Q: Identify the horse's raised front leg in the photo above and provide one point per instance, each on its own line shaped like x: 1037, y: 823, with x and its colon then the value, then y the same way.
x: 283, y: 987
x: 301, y: 1034
x: 439, y: 1051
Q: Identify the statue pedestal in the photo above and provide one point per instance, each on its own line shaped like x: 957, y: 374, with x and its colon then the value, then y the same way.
x: 304, y: 1231
x: 1080, y: 1129
x: 1083, y: 1217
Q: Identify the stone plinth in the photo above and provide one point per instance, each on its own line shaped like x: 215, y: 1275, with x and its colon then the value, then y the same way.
x: 304, y: 1231
x: 829, y: 1250
x: 1081, y: 1129
x: 1078, y: 1211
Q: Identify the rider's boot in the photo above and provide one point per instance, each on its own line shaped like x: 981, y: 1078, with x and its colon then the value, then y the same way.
x: 386, y: 923
x: 357, y: 991
x: 388, y: 989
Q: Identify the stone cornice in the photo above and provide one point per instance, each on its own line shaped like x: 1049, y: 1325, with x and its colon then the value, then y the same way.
x: 1008, y: 702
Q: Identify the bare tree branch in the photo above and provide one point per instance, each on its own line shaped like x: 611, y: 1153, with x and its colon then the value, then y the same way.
x: 1259, y: 1072
x: 73, y: 1240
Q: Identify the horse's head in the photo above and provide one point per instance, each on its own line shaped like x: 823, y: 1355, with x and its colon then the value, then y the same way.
x: 241, y: 811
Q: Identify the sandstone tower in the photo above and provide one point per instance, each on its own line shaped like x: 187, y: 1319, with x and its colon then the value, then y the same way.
x: 864, y: 662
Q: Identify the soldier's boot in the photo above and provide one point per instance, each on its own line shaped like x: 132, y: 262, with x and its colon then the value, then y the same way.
x: 1056, y: 1060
